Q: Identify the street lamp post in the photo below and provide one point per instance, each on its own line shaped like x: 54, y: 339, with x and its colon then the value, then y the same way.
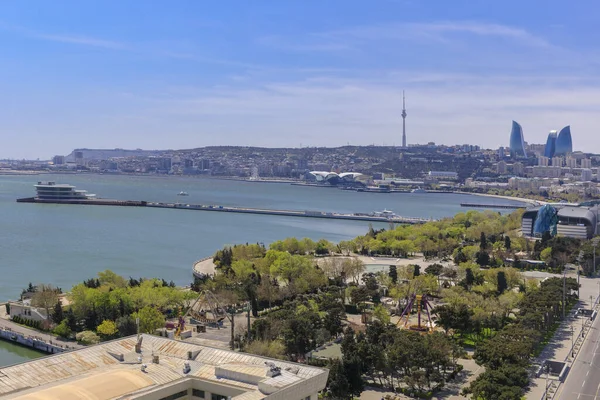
x: 564, y: 290
x: 595, y: 243
x: 572, y: 343
x: 547, y: 373
x: 582, y: 334
x: 249, y: 308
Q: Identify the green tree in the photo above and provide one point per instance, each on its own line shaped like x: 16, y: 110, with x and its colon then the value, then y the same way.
x: 338, y: 386
x: 332, y: 321
x: 460, y: 257
x: 393, y: 274
x: 456, y: 317
x: 87, y: 338
x: 126, y: 325
x: 57, y: 313
x: 416, y: 270
x: 45, y: 297
x: 150, y: 319
x: 434, y: 269
x: 469, y: 277
x: 63, y: 330
x: 506, y: 383
x: 502, y: 284
x: 382, y: 314
x: 546, y: 255
x: 265, y: 348
x: 107, y: 329
x: 482, y: 241
x: 360, y: 295
x: 507, y: 243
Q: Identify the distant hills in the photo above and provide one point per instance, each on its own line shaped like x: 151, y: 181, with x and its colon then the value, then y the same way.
x: 103, y: 154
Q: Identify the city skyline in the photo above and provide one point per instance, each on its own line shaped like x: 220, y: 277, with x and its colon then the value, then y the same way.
x: 78, y: 75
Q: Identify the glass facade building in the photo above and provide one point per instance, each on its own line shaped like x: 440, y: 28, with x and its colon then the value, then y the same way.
x: 517, y: 142
x: 564, y: 144
x: 550, y: 145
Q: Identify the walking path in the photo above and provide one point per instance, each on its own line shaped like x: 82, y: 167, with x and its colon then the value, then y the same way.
x: 206, y: 266
x: 7, y: 324
x: 566, y: 344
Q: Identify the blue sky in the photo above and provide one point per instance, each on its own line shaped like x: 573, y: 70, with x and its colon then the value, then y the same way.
x: 184, y: 74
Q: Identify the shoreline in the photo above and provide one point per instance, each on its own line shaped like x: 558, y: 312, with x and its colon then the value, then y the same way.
x: 497, y: 196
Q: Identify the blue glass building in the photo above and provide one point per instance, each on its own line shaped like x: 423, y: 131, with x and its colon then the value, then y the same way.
x: 517, y: 142
x: 550, y: 145
x: 564, y: 144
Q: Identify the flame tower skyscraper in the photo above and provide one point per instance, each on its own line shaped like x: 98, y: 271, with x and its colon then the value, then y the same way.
x: 403, y: 121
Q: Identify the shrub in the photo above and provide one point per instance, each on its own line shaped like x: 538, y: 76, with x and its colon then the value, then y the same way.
x: 63, y: 330
x: 107, y: 328
x: 87, y: 337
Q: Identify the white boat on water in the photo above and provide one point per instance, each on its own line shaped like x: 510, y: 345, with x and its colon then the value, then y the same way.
x: 385, y: 214
x: 182, y: 193
x: 60, y: 191
x: 418, y: 190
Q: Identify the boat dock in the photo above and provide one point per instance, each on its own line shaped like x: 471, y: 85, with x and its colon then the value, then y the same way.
x: 482, y: 205
x: 242, y: 210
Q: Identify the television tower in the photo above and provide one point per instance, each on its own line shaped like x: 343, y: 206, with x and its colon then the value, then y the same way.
x: 403, y: 121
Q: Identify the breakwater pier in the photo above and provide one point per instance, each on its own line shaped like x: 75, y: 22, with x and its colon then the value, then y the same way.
x: 229, y: 209
x: 482, y: 205
x: 34, y: 341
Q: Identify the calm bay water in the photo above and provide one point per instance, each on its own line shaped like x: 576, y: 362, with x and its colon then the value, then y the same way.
x: 64, y: 244
x: 13, y: 354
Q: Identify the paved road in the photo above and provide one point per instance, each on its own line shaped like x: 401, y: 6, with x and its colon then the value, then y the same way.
x: 583, y: 380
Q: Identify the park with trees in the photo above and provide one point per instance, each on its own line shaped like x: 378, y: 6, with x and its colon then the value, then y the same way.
x: 304, y: 295
x: 107, y: 307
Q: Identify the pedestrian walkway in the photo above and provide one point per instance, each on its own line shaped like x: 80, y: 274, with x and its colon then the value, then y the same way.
x: 564, y: 347
x: 45, y: 337
x: 204, y: 267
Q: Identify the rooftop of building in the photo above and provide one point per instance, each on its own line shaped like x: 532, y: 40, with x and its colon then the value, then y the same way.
x: 113, y: 369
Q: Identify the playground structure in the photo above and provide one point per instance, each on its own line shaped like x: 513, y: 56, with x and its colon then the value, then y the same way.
x: 422, y: 305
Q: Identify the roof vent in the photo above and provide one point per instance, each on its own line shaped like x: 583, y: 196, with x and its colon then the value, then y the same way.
x: 274, y: 370
x: 293, y: 370
x: 186, y: 367
x: 144, y: 366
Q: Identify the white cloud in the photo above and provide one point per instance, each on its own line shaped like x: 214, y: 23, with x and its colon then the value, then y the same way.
x: 81, y: 40
x: 329, y: 112
x: 64, y: 38
x: 437, y: 32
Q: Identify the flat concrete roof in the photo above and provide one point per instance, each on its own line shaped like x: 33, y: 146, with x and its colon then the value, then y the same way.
x: 113, y: 369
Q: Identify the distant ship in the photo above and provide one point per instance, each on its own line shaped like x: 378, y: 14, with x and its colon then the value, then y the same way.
x: 182, y: 193
x: 375, y: 189
x: 418, y: 190
x: 60, y: 191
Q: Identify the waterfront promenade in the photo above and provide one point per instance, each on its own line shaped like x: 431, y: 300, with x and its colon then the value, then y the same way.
x: 31, y: 338
x: 7, y: 325
x: 204, y: 267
